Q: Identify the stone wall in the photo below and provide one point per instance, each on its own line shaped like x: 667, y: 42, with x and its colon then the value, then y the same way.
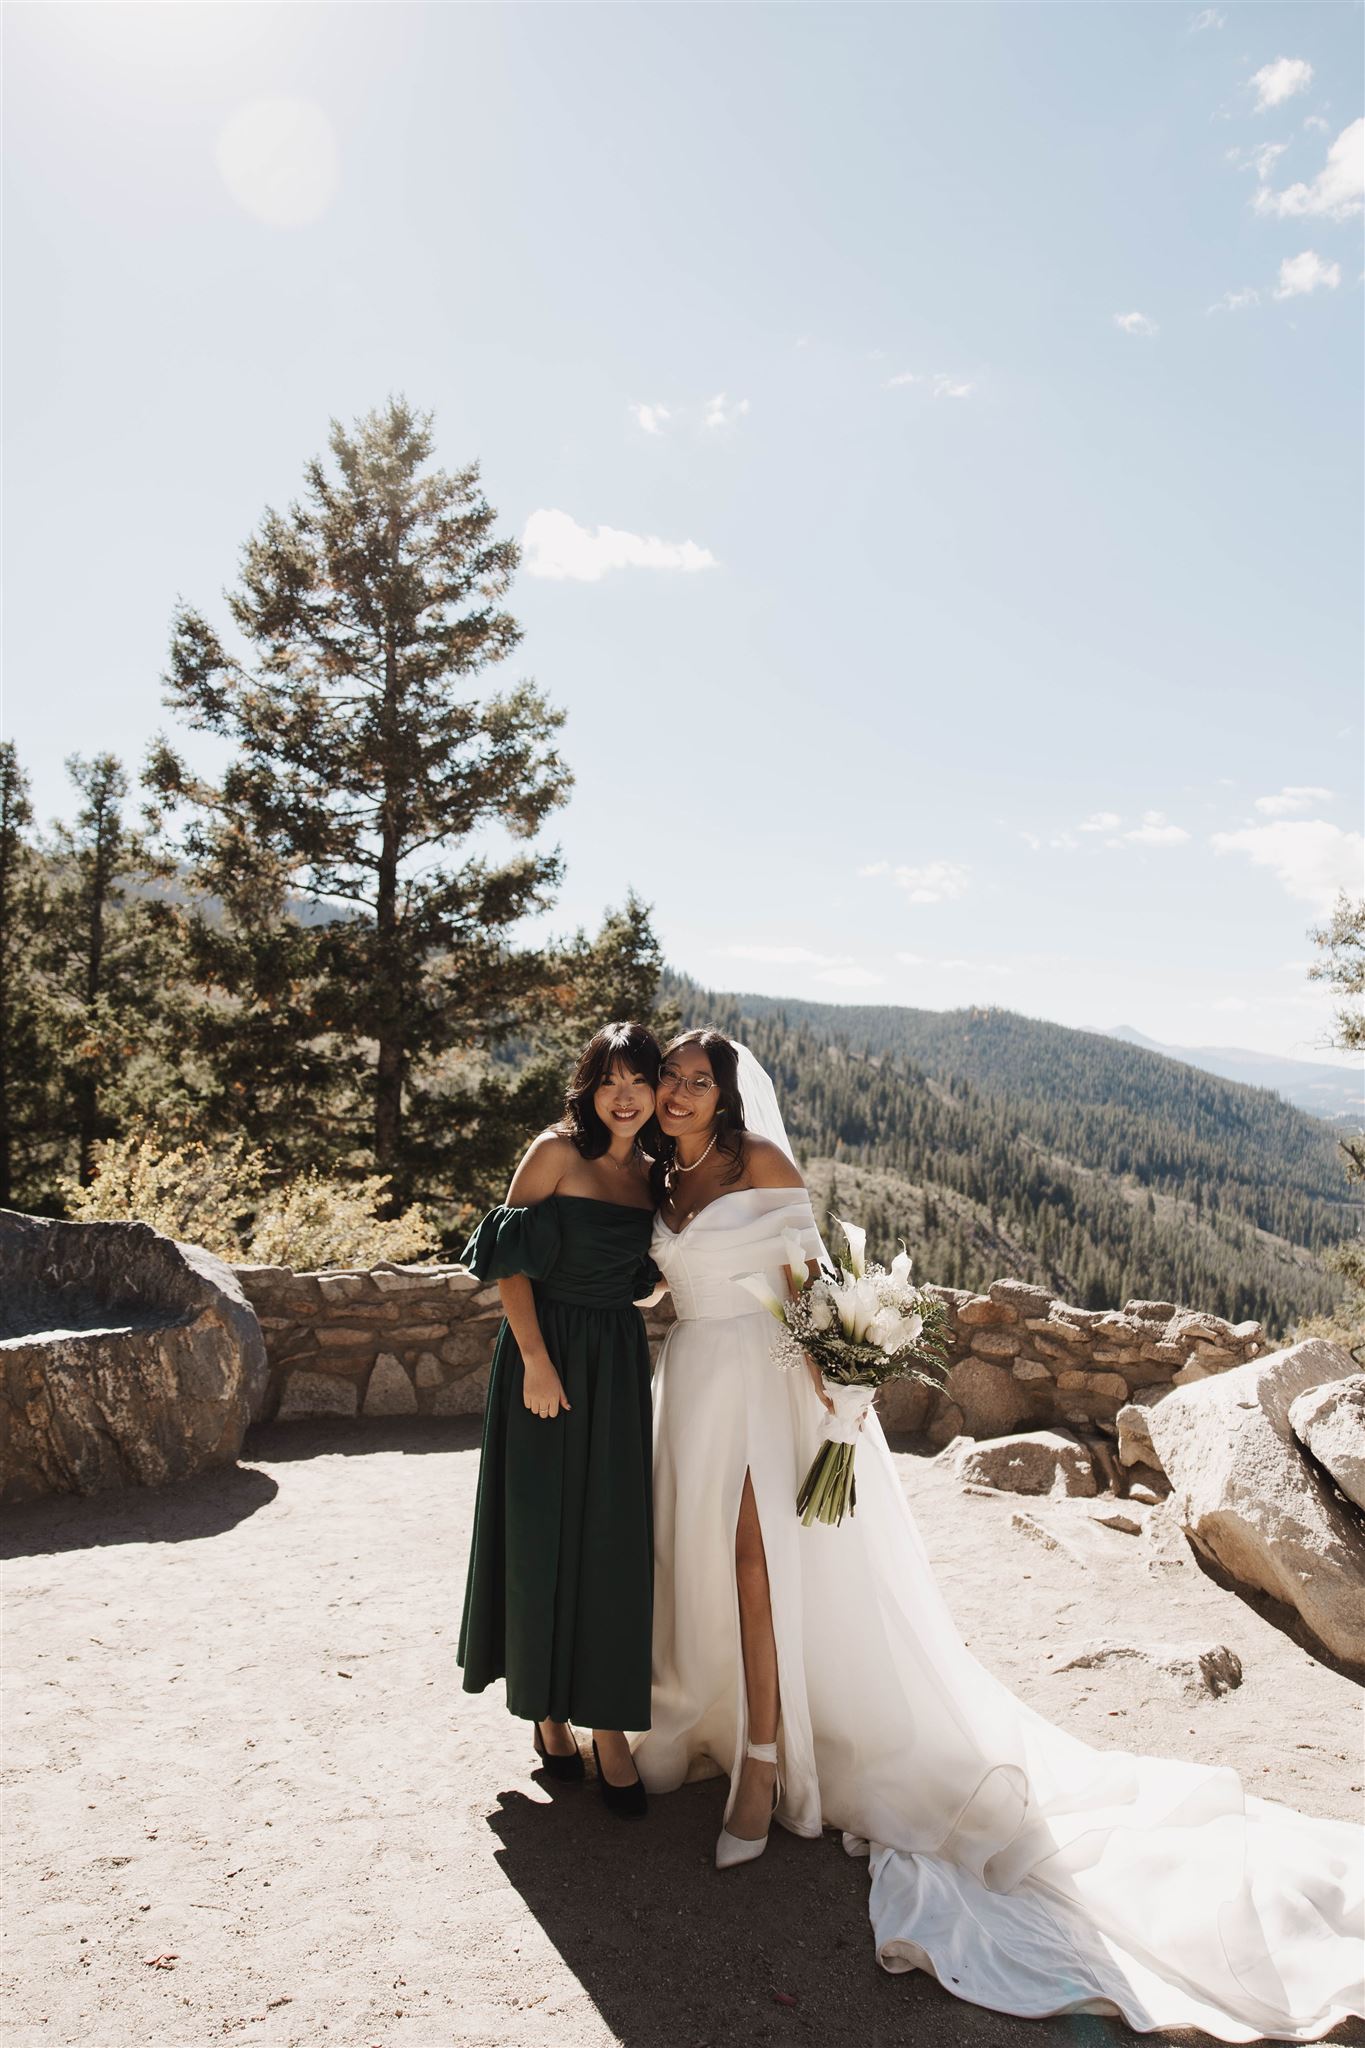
x: 1023, y: 1360
x: 416, y: 1340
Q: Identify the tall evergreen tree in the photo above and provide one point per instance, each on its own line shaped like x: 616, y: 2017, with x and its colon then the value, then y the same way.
x: 113, y: 961
x: 1341, y: 964
x: 26, y: 1068
x: 359, y: 935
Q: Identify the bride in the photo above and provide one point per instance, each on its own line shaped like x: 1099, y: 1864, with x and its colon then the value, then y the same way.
x: 821, y: 1669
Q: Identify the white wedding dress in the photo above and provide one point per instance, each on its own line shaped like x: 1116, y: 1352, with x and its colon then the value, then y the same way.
x: 1023, y: 1869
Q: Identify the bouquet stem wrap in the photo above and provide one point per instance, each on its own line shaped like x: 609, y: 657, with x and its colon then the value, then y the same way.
x: 829, y: 1490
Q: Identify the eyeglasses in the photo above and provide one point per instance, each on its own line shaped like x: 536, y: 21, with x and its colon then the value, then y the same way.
x: 693, y: 1084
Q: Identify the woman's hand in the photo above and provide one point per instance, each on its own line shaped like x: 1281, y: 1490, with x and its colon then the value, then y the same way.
x: 541, y: 1388
x: 818, y: 1383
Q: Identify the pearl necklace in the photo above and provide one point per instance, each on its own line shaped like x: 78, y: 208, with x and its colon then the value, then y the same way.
x: 696, y: 1162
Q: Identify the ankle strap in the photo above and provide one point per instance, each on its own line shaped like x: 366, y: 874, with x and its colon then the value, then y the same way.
x: 762, y: 1752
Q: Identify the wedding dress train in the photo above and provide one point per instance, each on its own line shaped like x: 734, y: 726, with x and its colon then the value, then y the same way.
x: 1025, y: 1870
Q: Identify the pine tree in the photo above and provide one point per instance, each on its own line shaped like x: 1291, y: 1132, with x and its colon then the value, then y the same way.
x: 26, y: 1064
x: 360, y: 938
x: 1341, y: 944
x: 112, y: 961
x: 486, y: 1110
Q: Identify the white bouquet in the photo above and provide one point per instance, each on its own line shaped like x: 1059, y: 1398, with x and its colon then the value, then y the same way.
x: 861, y: 1325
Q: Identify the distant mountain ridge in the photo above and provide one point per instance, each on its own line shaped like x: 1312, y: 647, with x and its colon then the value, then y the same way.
x: 1000, y: 1144
x: 1336, y: 1093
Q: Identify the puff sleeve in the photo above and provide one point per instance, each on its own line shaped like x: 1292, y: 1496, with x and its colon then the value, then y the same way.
x: 509, y: 1241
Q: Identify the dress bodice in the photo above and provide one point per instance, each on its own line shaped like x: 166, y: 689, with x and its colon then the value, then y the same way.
x: 574, y: 1249
x: 737, y: 1234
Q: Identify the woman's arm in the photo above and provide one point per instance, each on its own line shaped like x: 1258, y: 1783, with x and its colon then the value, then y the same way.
x: 535, y: 1180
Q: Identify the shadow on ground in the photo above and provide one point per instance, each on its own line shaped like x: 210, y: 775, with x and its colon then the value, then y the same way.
x: 671, y: 1950
x: 279, y: 1443
x: 194, y: 1508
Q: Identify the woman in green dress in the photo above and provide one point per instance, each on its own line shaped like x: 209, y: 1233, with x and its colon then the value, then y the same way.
x: 560, y: 1590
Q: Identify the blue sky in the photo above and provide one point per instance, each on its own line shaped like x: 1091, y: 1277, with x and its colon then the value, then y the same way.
x: 934, y: 432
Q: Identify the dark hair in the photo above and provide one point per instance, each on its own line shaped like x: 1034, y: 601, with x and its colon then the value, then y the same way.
x: 724, y: 1063
x: 637, y: 1049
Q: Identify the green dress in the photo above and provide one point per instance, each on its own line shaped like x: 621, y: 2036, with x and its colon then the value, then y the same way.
x: 559, y: 1597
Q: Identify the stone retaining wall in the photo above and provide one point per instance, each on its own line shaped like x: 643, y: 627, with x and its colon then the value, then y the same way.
x: 1023, y: 1360
x: 416, y: 1340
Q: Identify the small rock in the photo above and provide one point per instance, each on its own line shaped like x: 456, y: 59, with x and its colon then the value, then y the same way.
x: 317, y: 1393
x: 1144, y: 1494
x: 1114, y: 1518
x: 1038, y: 1461
x: 390, y: 1391
x: 1190, y: 1669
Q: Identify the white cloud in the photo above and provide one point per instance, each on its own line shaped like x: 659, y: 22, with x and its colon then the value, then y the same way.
x: 783, y: 956
x: 1208, y: 18
x: 1156, y: 830
x: 720, y: 412
x: 1311, y: 859
x: 1262, y: 159
x: 850, y: 977
x: 1317, y: 124
x: 1136, y: 323
x: 556, y: 546
x: 938, y: 881
x: 1275, y: 83
x: 1295, y: 796
x: 943, y: 383
x: 1236, y: 302
x: 1304, y: 273
x: 958, y: 966
x: 1101, y: 821
x: 1337, y: 192
x: 651, y: 417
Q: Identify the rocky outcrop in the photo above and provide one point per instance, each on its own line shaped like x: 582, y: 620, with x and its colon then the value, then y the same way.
x: 1248, y: 1498
x: 1043, y: 1461
x: 1329, y: 1421
x: 125, y: 1359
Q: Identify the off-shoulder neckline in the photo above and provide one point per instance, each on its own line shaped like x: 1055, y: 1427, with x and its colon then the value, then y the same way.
x: 729, y: 1196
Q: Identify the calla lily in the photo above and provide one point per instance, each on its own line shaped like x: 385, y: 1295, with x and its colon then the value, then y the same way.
x: 761, y: 1288
x: 857, y: 1306
x: 795, y: 1253
x: 855, y: 1237
x: 900, y: 1267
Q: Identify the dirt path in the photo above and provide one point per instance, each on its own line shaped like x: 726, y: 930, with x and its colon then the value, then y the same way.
x: 235, y: 1739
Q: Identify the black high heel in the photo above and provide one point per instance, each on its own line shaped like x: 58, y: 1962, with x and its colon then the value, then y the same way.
x: 629, y: 1802
x: 569, y: 1770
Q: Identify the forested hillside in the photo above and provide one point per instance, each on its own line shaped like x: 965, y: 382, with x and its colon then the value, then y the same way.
x: 997, y: 1144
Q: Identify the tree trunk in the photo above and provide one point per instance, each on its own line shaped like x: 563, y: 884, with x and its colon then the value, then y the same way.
x: 388, y: 1087
x: 87, y: 1089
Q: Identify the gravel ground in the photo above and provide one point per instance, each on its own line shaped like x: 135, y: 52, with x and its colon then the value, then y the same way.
x: 236, y: 1744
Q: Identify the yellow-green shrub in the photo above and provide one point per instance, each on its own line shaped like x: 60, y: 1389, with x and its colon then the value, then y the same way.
x: 220, y: 1197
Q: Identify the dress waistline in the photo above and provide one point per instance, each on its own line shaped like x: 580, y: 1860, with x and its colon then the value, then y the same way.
x: 716, y: 1315
x: 563, y: 1297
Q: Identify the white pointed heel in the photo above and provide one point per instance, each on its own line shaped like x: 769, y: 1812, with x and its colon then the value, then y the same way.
x: 732, y: 1849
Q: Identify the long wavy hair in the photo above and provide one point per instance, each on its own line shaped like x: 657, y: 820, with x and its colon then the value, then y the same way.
x: 724, y: 1064
x: 637, y: 1050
